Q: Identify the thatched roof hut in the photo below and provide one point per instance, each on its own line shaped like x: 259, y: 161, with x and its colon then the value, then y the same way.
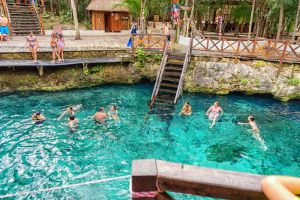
x: 106, y: 6
x: 109, y: 16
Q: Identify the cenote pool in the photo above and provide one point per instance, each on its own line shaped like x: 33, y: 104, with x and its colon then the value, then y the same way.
x: 35, y: 157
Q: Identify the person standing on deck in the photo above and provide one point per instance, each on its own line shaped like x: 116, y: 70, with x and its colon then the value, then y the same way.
x: 166, y: 32
x: 132, y: 31
x: 61, y: 46
x: 54, y: 46
x: 4, y: 29
x: 33, y: 45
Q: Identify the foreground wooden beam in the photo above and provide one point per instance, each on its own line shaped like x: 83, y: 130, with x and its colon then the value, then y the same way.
x: 195, y: 180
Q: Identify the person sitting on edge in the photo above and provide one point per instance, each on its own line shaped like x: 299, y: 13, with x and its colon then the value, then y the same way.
x: 100, y: 116
x: 113, y: 113
x: 4, y: 29
x: 213, y: 113
x: 38, y: 118
x: 281, y: 187
x: 186, y: 109
x: 251, y: 122
x: 73, y: 122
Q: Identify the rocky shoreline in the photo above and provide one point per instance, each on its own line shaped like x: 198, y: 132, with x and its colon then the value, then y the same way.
x: 205, y: 75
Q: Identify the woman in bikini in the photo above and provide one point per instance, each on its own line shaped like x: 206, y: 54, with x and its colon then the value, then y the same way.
x: 33, y: 45
x: 61, y: 46
x: 113, y: 113
x: 213, y: 113
x: 54, y: 46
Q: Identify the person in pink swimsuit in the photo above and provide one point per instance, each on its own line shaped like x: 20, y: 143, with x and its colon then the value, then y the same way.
x: 213, y: 113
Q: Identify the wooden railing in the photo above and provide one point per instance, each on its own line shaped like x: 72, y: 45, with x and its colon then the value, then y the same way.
x: 185, y: 65
x: 148, y: 41
x: 7, y: 14
x: 160, y: 74
x: 154, y: 178
x: 260, y: 49
x: 40, y: 18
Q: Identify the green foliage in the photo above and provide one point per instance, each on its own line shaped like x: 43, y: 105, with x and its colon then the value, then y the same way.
x: 134, y: 7
x: 157, y: 57
x: 96, y: 69
x: 85, y: 71
x: 140, y: 57
x: 294, y: 82
x: 65, y: 15
x: 260, y: 63
x: 87, y: 25
x: 244, y: 81
x: 242, y: 13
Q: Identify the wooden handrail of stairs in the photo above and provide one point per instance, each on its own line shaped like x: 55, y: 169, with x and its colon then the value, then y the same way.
x: 40, y: 17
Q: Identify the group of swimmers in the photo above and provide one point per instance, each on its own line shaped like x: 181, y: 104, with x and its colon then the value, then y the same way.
x: 213, y: 114
x: 57, y: 44
x: 100, y: 117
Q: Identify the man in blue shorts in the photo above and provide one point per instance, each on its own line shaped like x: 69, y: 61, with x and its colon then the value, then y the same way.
x: 4, y: 28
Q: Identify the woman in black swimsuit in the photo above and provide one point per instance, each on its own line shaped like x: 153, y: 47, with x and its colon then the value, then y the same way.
x: 33, y: 45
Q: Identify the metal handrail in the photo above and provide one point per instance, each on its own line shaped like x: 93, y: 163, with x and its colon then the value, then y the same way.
x: 186, y: 61
x: 160, y: 73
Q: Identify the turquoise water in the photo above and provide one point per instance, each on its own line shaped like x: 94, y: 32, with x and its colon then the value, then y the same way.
x: 35, y: 157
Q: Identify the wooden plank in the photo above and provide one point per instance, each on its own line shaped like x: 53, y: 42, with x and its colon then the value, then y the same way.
x: 208, y: 182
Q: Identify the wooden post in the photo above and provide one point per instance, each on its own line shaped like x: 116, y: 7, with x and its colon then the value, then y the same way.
x: 282, y: 57
x: 43, y: 6
x: 41, y: 70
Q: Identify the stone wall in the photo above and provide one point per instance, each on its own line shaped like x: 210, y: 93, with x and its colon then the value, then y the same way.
x: 225, y: 76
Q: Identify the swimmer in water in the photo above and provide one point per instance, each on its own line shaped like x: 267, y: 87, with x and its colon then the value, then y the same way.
x: 186, y: 109
x: 73, y: 122
x: 113, y: 113
x: 100, y: 116
x: 70, y: 110
x: 255, y: 130
x: 214, y: 112
x: 37, y: 117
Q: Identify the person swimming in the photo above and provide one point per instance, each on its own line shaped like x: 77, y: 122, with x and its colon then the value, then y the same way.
x: 73, y: 122
x: 254, y: 128
x: 100, y: 116
x: 186, y: 109
x: 38, y: 118
x: 213, y: 113
x: 113, y: 113
x: 70, y: 110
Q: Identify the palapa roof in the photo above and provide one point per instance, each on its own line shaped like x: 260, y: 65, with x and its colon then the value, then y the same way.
x: 106, y: 5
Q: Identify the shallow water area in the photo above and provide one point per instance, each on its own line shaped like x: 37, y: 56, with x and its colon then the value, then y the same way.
x: 35, y: 157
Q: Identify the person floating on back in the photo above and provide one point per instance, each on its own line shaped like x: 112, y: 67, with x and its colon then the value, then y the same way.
x: 186, y: 109
x: 38, y: 118
x: 100, y: 116
x: 213, y: 113
x: 33, y: 45
x: 73, y: 122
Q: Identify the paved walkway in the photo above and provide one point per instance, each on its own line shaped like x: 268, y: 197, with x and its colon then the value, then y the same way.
x: 17, y: 44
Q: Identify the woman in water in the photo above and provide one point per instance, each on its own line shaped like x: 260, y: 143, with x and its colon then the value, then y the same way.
x: 33, y: 45
x: 113, y: 113
x: 38, y: 118
x: 213, y: 113
x: 187, y: 109
x: 61, y: 46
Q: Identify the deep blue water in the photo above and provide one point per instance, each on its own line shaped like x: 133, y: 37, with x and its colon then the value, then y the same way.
x: 35, y: 157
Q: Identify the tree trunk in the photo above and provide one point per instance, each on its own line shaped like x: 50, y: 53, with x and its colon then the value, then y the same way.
x: 185, y: 18
x: 51, y: 6
x: 251, y: 19
x: 296, y: 22
x: 280, y: 19
x: 191, y: 19
x: 142, y: 17
x: 75, y: 17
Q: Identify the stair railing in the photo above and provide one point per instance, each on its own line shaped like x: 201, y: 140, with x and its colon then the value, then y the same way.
x: 40, y: 18
x: 7, y: 14
x: 185, y: 65
x: 160, y: 74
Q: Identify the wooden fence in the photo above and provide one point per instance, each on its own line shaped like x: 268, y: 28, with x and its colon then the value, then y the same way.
x: 152, y: 179
x: 148, y: 41
x: 260, y: 49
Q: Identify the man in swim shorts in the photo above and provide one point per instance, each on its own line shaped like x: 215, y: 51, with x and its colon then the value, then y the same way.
x: 4, y: 28
x: 252, y: 123
x: 73, y: 122
x: 100, y: 116
x: 38, y: 118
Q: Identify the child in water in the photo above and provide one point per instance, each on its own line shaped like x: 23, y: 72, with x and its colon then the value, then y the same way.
x: 186, y: 109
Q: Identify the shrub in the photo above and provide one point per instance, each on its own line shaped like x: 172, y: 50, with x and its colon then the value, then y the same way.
x: 140, y: 57
x: 260, y: 63
x: 85, y: 71
x: 96, y: 69
x: 65, y: 15
x: 244, y: 81
x: 294, y: 82
x: 87, y: 24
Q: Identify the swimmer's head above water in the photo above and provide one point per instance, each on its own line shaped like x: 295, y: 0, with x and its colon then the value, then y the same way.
x: 72, y: 117
x: 101, y: 109
x: 216, y: 104
x: 251, y: 118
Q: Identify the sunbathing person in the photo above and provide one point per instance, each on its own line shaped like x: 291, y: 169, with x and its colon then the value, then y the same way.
x: 281, y: 187
x: 38, y: 118
x: 214, y: 112
x: 186, y: 109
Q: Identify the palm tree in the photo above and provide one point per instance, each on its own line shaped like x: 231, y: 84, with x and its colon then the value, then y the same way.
x: 75, y: 17
x: 281, y: 13
x: 134, y: 7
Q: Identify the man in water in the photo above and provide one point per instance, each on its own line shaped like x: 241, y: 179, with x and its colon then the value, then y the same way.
x: 252, y: 123
x: 73, y: 122
x: 38, y: 118
x: 100, y: 116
